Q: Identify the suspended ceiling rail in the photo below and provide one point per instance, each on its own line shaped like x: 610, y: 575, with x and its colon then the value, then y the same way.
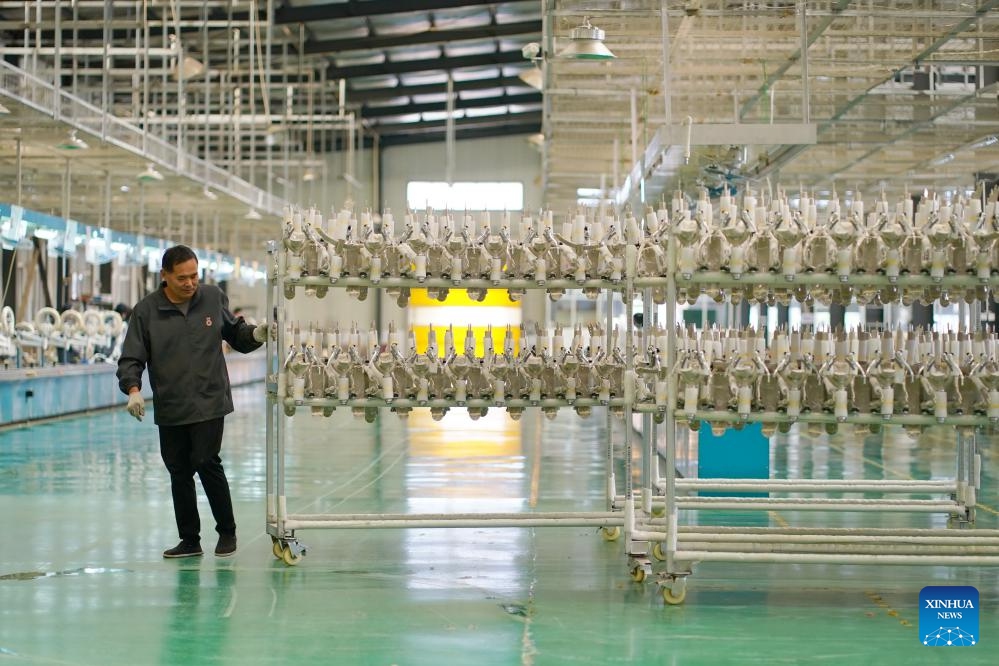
x: 894, y: 87
x: 112, y: 71
x: 42, y: 96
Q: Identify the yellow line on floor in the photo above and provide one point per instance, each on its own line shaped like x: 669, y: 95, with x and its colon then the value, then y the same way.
x: 532, y: 501
x: 891, y: 612
x: 779, y: 519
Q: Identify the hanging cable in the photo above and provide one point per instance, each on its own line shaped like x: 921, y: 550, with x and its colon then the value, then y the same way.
x: 449, y: 132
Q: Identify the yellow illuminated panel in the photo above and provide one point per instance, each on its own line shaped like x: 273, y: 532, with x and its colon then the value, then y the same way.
x: 459, y: 297
x: 422, y: 333
x: 458, y: 310
x: 457, y: 436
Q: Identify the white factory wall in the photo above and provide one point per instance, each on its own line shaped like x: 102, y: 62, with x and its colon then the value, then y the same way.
x: 498, y: 159
x: 509, y: 158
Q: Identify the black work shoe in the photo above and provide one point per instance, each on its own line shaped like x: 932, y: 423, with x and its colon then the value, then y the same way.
x: 184, y: 549
x: 226, y: 545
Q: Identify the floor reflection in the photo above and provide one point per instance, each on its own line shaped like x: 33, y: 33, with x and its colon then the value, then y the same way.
x: 458, y: 465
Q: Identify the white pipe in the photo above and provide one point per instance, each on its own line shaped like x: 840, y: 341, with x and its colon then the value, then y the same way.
x: 450, y: 402
x: 845, y: 548
x: 163, y: 52
x: 803, y: 558
x: 724, y: 279
x: 830, y: 531
x: 291, y: 524
x: 968, y: 539
x: 690, y: 130
x: 614, y: 517
x: 375, y: 521
x: 817, y: 486
x: 719, y: 483
x: 855, y: 419
x: 817, y: 504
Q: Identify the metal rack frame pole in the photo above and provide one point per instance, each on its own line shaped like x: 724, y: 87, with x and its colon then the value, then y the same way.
x: 669, y: 421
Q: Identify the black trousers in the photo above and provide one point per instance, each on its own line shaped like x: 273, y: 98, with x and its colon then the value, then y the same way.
x: 191, y: 448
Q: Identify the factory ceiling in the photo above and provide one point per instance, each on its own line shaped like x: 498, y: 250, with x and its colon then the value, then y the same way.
x: 890, y: 95
x: 901, y: 94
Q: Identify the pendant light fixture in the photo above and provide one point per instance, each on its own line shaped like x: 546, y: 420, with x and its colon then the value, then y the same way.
x: 73, y: 142
x: 149, y: 175
x: 587, y: 43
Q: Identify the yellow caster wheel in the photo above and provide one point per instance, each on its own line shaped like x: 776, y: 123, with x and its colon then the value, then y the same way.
x: 610, y: 533
x: 290, y: 558
x: 659, y: 511
x: 638, y: 574
x: 675, y: 595
x: 657, y: 552
x: 278, y: 549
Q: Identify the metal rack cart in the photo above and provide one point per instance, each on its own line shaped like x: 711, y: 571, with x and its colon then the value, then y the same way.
x: 682, y: 546
x: 283, y: 525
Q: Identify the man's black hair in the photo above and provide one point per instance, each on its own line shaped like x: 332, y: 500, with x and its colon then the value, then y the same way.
x: 178, y: 254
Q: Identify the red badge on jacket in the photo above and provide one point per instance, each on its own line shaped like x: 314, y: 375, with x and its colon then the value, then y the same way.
x: 208, y: 321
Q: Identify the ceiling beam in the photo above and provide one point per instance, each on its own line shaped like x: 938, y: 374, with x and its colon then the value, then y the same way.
x: 374, y: 94
x: 794, y: 57
x: 532, y: 118
x: 460, y: 134
x: 474, y: 103
x: 431, y: 36
x: 433, y: 64
x: 358, y: 8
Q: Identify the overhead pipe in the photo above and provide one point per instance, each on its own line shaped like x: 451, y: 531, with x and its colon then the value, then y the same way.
x: 805, y: 85
x: 253, y: 86
x: 265, y: 93
x: 57, y: 76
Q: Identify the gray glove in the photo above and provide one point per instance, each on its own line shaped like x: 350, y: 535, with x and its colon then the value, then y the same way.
x: 136, y: 405
x: 261, y: 331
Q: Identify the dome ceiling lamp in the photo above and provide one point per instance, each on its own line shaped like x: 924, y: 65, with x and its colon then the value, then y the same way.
x: 586, y: 42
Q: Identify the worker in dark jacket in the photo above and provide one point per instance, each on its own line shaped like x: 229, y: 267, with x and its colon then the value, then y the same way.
x: 177, y: 332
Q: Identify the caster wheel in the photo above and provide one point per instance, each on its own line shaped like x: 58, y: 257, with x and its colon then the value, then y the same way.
x: 659, y: 511
x: 278, y: 549
x: 675, y: 595
x: 610, y: 533
x: 657, y: 552
x: 638, y: 574
x: 289, y: 557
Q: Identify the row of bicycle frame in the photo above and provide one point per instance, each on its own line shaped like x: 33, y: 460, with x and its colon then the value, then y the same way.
x: 752, y: 242
x: 51, y: 337
x: 739, y: 372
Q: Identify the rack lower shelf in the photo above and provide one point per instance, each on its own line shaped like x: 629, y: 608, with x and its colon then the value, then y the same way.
x: 405, y: 520
x: 818, y: 504
x: 887, y: 486
x: 927, y: 558
x: 963, y: 420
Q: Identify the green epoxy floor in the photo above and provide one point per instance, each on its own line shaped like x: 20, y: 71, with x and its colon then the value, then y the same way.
x: 85, y: 512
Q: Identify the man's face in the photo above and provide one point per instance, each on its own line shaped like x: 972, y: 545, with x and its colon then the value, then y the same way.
x: 182, y: 281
